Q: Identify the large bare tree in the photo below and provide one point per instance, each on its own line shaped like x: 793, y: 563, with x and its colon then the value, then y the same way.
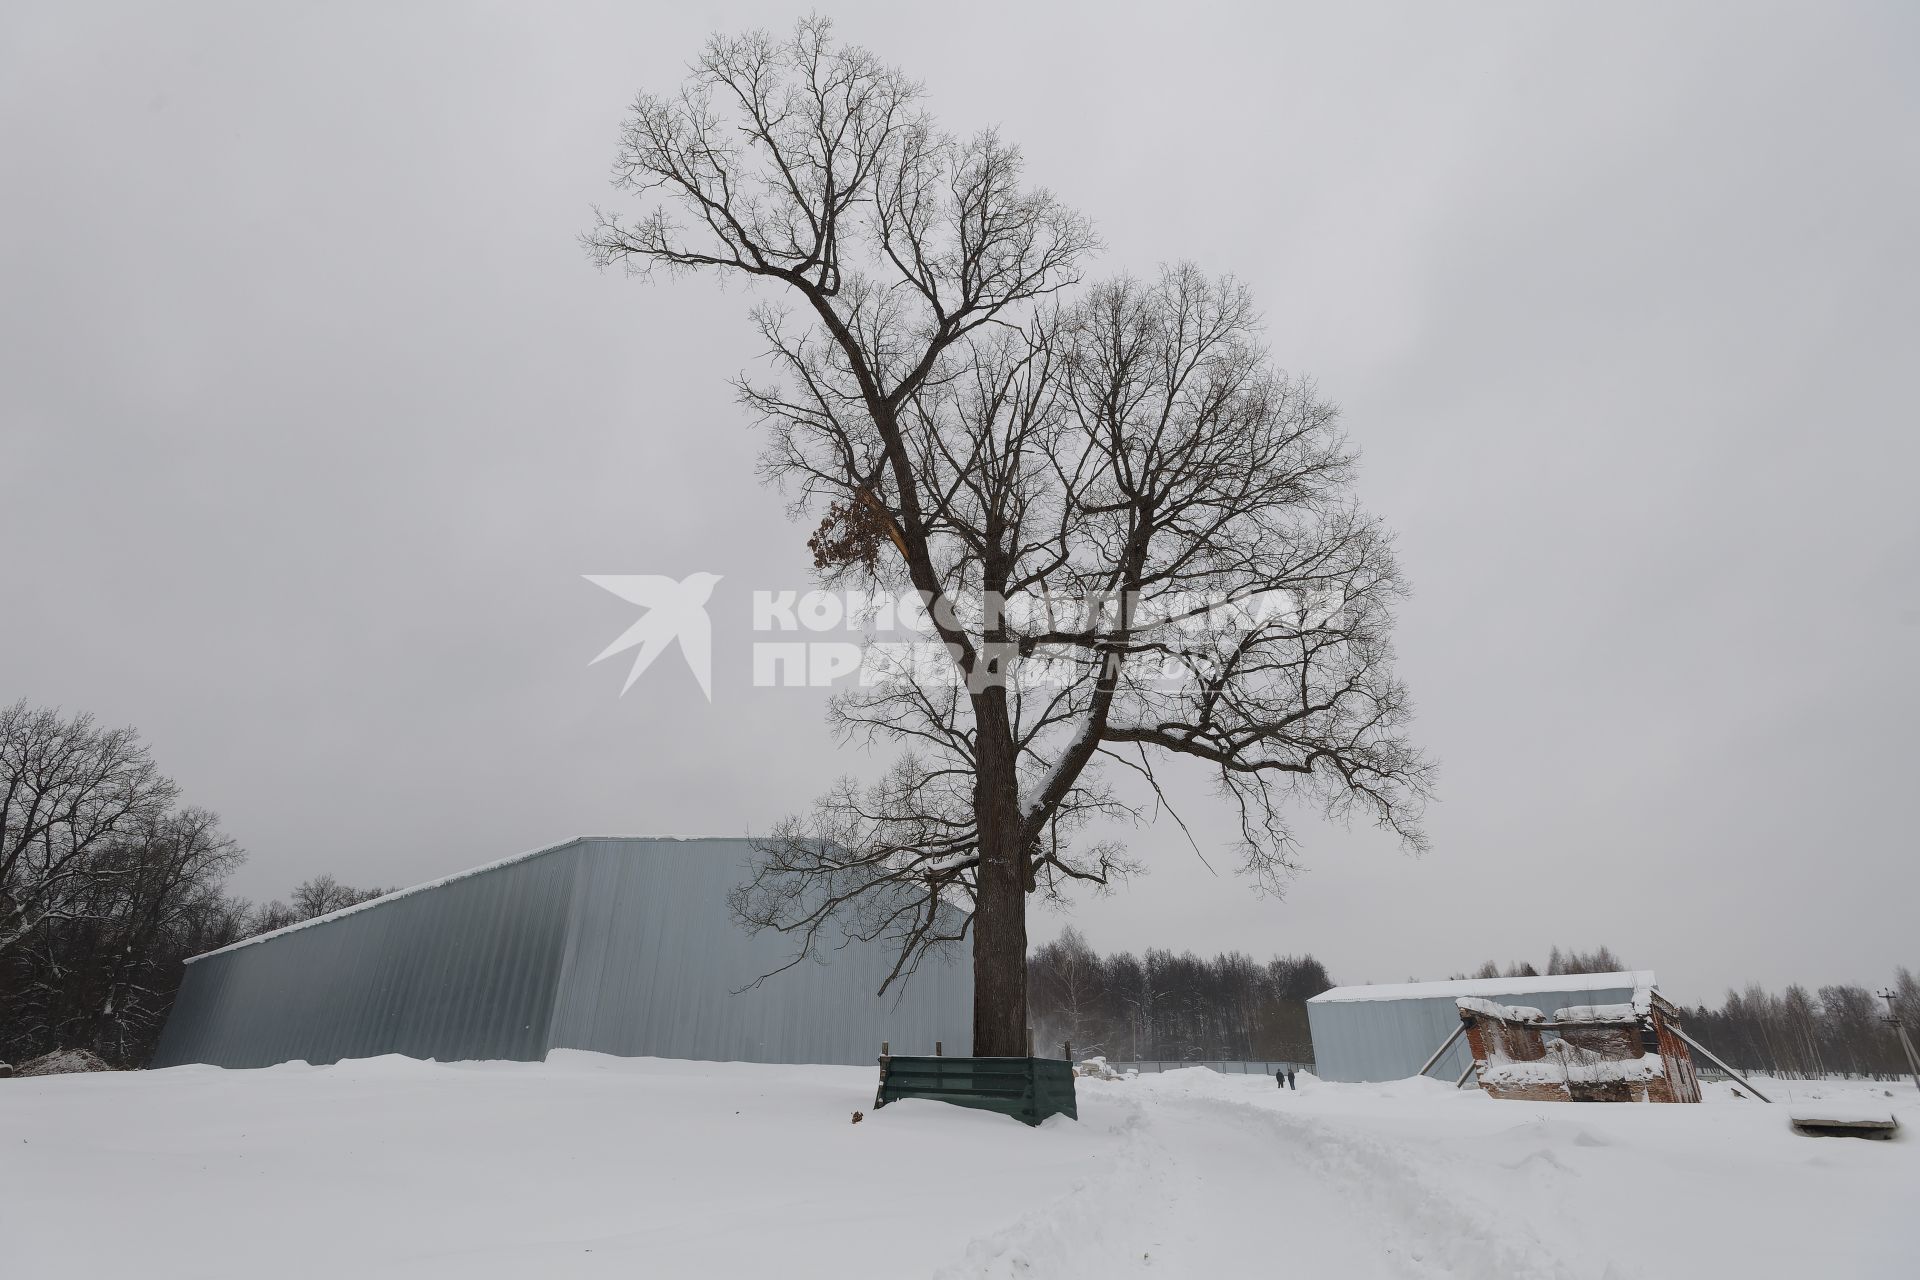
x: 69, y: 789
x: 1132, y: 535
x: 105, y: 887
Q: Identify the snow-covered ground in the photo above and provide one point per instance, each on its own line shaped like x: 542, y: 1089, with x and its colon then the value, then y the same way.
x: 588, y: 1166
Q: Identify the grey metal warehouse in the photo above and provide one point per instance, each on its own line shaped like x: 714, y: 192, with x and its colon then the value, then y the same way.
x: 1387, y: 1032
x: 618, y: 944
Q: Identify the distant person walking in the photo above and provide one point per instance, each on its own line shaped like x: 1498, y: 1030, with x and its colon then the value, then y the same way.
x: 1280, y: 1077
x: 1290, y: 1083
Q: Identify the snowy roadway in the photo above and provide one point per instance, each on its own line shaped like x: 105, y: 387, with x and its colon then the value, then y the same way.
x: 595, y: 1166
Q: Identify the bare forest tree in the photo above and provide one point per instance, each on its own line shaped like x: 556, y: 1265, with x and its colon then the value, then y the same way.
x: 1599, y: 960
x: 105, y: 887
x: 319, y: 896
x: 1492, y: 969
x: 69, y: 790
x: 1066, y: 982
x: 1084, y: 488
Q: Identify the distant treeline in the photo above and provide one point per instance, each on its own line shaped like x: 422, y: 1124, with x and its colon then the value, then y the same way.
x: 1599, y: 960
x: 1177, y: 1007
x: 1180, y: 1007
x: 1837, y: 1030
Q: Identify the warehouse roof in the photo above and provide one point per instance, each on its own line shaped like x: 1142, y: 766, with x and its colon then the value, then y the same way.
x: 1637, y: 979
x: 385, y: 898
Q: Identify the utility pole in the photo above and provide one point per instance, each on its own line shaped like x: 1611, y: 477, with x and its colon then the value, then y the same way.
x: 1906, y: 1042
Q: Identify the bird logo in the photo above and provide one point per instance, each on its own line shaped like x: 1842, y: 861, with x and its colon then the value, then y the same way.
x: 674, y: 611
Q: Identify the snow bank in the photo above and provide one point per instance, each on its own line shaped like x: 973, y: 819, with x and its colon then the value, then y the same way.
x: 1613, y: 1013
x: 1504, y: 1012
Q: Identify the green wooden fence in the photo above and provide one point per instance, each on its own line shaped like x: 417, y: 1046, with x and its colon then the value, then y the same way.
x: 1028, y: 1089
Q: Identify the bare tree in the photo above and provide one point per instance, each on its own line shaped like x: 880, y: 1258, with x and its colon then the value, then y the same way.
x: 68, y: 790
x: 1071, y: 987
x: 1599, y: 960
x: 323, y: 894
x: 1099, y: 501
x: 105, y: 887
x: 317, y: 896
x: 162, y: 880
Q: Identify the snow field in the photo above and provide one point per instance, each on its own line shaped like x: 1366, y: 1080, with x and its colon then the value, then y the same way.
x: 588, y: 1166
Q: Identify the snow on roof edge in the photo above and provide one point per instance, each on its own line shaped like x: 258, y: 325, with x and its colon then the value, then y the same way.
x: 433, y: 884
x: 1636, y: 979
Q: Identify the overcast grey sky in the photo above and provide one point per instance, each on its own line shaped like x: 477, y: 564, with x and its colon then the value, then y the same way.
x: 315, y: 413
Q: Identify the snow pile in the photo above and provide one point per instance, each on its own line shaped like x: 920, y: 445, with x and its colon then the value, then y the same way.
x: 1570, y: 1064
x: 589, y: 1166
x: 1866, y: 1112
x: 62, y: 1062
x: 1851, y: 1119
x: 1097, y: 1068
x: 1503, y: 1012
x: 1619, y: 1014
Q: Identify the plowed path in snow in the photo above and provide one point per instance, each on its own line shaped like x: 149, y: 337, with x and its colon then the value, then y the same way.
x: 1415, y: 1181
x: 1203, y: 1184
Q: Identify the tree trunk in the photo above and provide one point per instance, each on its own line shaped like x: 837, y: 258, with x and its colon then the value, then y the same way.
x: 1000, y: 900
x: 1000, y: 962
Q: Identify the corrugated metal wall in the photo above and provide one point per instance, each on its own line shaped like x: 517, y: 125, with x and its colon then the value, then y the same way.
x: 1361, y: 1040
x: 621, y: 945
x: 654, y: 956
